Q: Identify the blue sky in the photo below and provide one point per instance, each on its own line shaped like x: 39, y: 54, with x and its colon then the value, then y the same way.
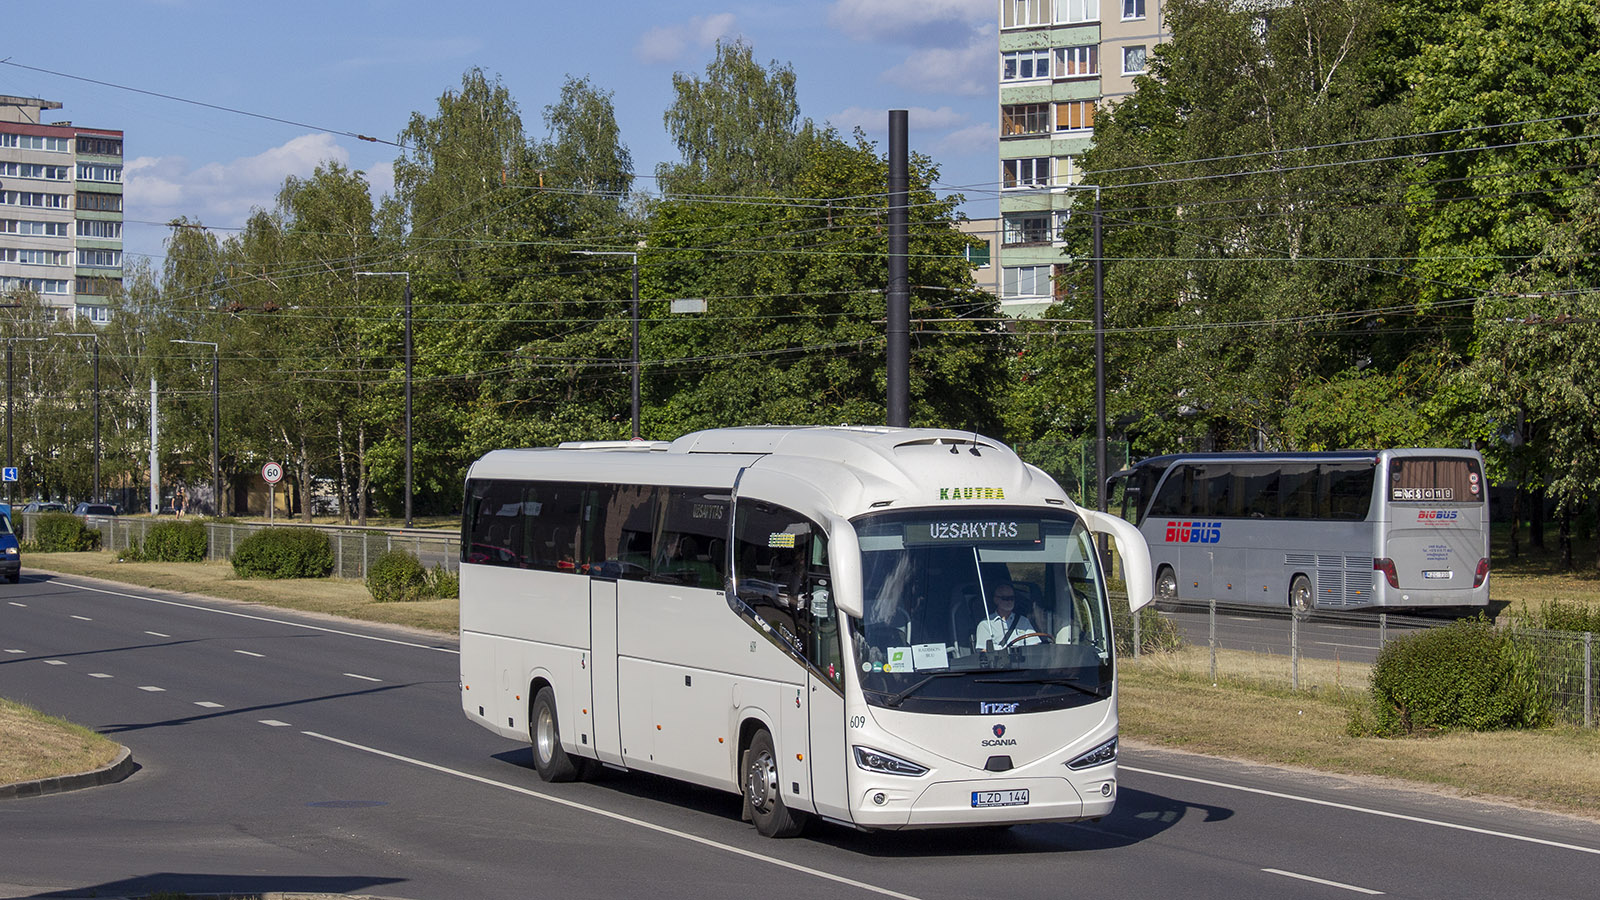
x: 365, y: 66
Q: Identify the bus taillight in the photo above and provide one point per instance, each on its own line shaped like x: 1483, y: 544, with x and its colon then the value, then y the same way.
x: 1386, y: 566
x: 1483, y: 572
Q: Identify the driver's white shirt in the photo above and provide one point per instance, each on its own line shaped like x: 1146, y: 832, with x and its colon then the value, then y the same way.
x: 994, y: 628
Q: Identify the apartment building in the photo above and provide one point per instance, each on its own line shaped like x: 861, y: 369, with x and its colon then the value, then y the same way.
x: 1061, y: 61
x: 60, y: 210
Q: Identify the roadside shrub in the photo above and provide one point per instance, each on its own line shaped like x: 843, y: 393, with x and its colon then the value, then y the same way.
x: 443, y: 583
x: 1157, y: 633
x: 1465, y: 676
x: 284, y: 553
x: 397, y: 576
x: 60, y: 532
x: 1554, y: 615
x: 175, y: 542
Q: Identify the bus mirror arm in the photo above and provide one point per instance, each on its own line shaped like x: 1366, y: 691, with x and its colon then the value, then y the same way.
x: 1135, y: 554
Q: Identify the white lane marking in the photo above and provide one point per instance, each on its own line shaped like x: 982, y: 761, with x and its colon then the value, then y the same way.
x: 248, y: 653
x: 208, y: 704
x: 1337, y: 884
x: 1349, y: 646
x: 99, y: 675
x: 152, y: 688
x: 54, y: 662
x: 362, y: 677
x: 157, y: 634
x: 618, y: 817
x: 16, y: 651
x: 15, y: 603
x: 1371, y: 812
x: 240, y: 615
x: 83, y: 618
x: 274, y: 723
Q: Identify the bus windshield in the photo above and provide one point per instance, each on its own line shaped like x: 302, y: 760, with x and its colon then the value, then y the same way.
x: 965, y: 610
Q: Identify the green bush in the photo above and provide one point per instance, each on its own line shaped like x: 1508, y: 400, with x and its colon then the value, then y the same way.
x: 1157, y: 633
x: 284, y: 553
x: 60, y: 532
x: 1554, y: 615
x: 397, y: 576
x: 443, y: 583
x: 175, y: 542
x: 1466, y: 676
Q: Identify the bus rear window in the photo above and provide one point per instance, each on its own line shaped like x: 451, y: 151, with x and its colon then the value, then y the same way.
x: 1435, y: 480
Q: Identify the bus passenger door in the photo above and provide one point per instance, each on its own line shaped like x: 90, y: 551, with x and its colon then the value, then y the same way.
x: 828, y: 750
x: 603, y: 668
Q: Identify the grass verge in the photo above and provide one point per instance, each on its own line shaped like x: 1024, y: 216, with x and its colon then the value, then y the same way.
x: 34, y: 745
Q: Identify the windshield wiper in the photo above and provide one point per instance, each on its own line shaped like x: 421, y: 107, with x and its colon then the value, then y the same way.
x: 1065, y: 682
x: 899, y: 698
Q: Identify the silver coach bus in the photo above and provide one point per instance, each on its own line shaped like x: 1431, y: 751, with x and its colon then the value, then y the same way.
x: 1342, y: 530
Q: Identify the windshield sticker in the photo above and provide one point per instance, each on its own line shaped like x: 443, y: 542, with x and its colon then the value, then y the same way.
x: 781, y: 539
x: 972, y: 493
x: 899, y: 660
x: 1194, y: 532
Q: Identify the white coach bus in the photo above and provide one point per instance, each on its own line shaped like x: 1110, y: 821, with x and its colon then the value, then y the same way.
x: 1403, y: 528
x: 886, y: 628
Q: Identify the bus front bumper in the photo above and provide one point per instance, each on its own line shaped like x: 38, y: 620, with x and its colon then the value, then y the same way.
x: 889, y: 806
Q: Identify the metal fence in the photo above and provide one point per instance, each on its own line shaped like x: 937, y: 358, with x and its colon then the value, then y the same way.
x: 354, y: 549
x: 1335, y: 651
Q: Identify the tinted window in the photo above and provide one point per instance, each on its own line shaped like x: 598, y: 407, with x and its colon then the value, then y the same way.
x: 625, y: 531
x: 1297, y: 489
x: 781, y: 563
x: 1257, y: 487
x: 1349, y: 489
x: 693, y: 547
x: 1435, y: 480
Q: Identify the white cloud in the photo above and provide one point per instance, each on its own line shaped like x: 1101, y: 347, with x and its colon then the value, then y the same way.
x: 983, y: 137
x: 968, y: 71
x: 380, y: 179
x: 915, y: 22
x: 161, y: 188
x: 667, y: 43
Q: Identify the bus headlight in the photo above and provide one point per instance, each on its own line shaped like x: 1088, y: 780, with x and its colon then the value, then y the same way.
x: 878, y: 761
x: 1099, y: 756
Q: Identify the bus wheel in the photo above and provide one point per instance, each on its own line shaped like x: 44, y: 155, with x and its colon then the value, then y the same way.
x: 1302, y: 599
x: 764, y: 793
x: 1167, y: 589
x: 552, y: 762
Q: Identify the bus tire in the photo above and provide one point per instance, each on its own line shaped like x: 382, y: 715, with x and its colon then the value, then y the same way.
x: 763, y: 790
x: 552, y: 763
x: 1166, y: 593
x: 1302, y: 599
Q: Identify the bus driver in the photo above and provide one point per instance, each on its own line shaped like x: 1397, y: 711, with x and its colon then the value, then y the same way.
x: 1005, y: 627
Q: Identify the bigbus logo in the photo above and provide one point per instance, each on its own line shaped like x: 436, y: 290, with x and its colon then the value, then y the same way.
x: 1194, y: 532
x: 1436, y: 514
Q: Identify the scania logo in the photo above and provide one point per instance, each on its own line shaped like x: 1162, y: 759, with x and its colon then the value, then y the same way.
x: 1000, y: 740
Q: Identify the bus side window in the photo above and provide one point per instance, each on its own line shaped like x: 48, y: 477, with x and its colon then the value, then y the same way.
x: 627, y: 530
x: 690, y: 550
x: 782, y: 574
x: 494, y: 526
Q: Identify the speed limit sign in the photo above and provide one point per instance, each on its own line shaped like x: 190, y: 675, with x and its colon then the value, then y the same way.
x: 272, y: 472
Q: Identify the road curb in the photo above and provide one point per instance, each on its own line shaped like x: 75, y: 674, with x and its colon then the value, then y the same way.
x: 119, y: 769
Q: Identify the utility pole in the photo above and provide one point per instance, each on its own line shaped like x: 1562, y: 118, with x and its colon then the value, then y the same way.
x: 899, y: 332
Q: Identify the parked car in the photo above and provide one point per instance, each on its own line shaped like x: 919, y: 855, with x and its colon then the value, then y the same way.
x: 10, y: 552
x: 39, y: 506
x: 95, y: 509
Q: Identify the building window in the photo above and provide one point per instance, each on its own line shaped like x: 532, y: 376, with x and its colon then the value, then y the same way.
x: 31, y: 257
x: 1025, y: 281
x: 100, y: 202
x: 1075, y: 115
x: 1024, y: 64
x: 1027, y: 228
x: 99, y: 146
x: 40, y: 229
x: 1020, y: 13
x: 34, y: 170
x: 1026, y: 173
x: 977, y: 253
x: 1074, y: 62
x: 99, y: 315
x: 94, y: 228
x: 1070, y: 11
x: 1067, y: 172
x: 37, y: 285
x: 1026, y: 118
x: 99, y: 287
x: 100, y: 259
x: 33, y: 198
x: 1132, y: 9
x: 1133, y: 60
x: 34, y: 142
x: 99, y: 172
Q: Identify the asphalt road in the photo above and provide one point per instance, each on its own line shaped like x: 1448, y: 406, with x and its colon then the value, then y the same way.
x: 285, y: 753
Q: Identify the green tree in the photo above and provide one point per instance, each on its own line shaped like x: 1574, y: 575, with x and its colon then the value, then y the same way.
x: 739, y: 128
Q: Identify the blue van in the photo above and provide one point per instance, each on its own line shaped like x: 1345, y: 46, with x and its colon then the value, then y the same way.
x: 10, y: 551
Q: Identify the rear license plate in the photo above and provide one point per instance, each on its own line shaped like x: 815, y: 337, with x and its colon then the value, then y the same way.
x: 1438, y: 573
x: 982, y: 799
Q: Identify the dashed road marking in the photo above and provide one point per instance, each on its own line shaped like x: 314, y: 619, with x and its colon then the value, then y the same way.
x: 16, y: 651
x: 208, y: 704
x: 152, y: 688
x: 15, y: 603
x: 157, y: 634
x: 99, y: 675
x: 1337, y: 884
x: 249, y: 653
x: 274, y: 723
x: 362, y: 677
x: 83, y: 618
x: 54, y: 662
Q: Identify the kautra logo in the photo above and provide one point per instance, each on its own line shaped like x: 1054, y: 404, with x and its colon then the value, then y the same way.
x: 1194, y: 532
x: 1436, y: 514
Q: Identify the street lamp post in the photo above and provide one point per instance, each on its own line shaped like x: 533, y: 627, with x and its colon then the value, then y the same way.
x: 634, y: 316
x: 96, y: 493
x: 407, y: 276
x: 216, y: 421
x: 10, y: 390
